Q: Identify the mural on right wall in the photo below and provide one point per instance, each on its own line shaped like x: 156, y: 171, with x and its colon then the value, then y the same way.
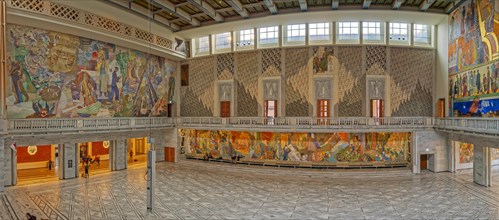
x: 474, y: 59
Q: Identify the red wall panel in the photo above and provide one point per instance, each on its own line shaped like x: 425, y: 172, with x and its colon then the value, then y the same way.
x: 43, y: 154
x: 98, y: 149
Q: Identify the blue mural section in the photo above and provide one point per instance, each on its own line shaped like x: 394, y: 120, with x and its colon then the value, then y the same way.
x: 58, y: 75
x: 477, y: 108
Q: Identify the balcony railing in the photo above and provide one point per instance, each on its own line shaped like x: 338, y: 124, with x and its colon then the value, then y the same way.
x: 475, y: 125
x: 69, y: 124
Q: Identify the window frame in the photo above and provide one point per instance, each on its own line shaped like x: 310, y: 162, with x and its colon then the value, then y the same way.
x: 398, y: 41
x: 366, y: 26
x: 198, y: 42
x: 238, y: 41
x: 327, y: 31
x: 227, y: 46
x: 271, y: 44
x: 340, y: 28
x: 301, y: 30
x: 429, y: 35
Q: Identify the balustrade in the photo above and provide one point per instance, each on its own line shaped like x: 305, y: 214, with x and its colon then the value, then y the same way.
x: 484, y: 125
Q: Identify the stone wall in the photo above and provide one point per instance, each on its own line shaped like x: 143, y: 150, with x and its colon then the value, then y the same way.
x: 435, y: 145
x: 409, y: 73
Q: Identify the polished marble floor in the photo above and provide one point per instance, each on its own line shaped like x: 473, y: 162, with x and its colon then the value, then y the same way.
x: 202, y: 190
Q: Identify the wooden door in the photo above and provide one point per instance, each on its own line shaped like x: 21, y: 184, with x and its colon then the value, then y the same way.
x: 170, y: 110
x: 377, y: 108
x: 323, y: 111
x: 424, y: 162
x: 225, y: 109
x: 170, y: 154
x: 441, y: 108
x: 270, y: 111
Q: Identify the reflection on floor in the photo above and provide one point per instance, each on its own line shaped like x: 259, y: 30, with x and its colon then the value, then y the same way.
x: 36, y: 175
x: 201, y: 190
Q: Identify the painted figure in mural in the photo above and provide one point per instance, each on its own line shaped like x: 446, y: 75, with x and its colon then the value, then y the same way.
x: 115, y: 93
x: 465, y: 86
x: 475, y: 107
x: 88, y: 89
x: 496, y: 74
x: 42, y: 111
x: 102, y: 64
x: 17, y: 77
x: 171, y: 87
x: 479, y: 82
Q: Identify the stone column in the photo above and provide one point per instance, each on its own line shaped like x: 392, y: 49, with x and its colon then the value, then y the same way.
x: 9, y: 159
x: 118, y: 154
x: 3, y: 58
x: 2, y: 163
x: 69, y: 160
x: 481, y: 165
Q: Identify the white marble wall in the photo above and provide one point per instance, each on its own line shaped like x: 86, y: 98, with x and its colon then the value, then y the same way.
x: 119, y: 154
x: 2, y: 170
x: 435, y: 145
x: 481, y: 165
x: 70, y: 160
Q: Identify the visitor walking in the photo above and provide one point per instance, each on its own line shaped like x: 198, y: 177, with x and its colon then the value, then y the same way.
x: 87, y: 167
x: 131, y: 156
x: 30, y: 216
x: 50, y: 164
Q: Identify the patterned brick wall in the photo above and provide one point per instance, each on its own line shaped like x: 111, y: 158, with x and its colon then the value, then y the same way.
x: 197, y: 98
x: 247, y: 83
x: 411, y: 81
x: 409, y: 70
x: 297, y: 82
x: 351, y: 82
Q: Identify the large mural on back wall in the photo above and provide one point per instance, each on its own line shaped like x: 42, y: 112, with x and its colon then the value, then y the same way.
x: 473, y: 34
x: 59, y: 75
x: 474, y: 93
x: 315, y: 147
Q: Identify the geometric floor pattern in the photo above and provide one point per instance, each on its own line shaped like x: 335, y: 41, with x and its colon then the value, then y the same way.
x: 202, y: 190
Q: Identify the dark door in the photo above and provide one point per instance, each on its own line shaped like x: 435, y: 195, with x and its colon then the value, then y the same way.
x: 170, y: 154
x: 441, y: 108
x: 225, y: 109
x: 424, y: 162
x: 377, y: 108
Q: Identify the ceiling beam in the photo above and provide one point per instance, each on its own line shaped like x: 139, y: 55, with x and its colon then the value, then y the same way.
x: 366, y: 4
x: 271, y: 6
x: 182, y: 4
x: 303, y: 5
x: 150, y: 15
x: 251, y: 5
x: 170, y: 7
x: 426, y: 4
x: 206, y: 8
x: 397, y: 3
x: 238, y: 7
x: 335, y: 4
x: 452, y: 6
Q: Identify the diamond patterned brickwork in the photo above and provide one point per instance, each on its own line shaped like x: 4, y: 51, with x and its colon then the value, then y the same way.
x: 271, y: 62
x: 197, y: 98
x: 247, y: 82
x: 225, y: 66
x: 351, y: 81
x: 406, y: 76
x: 297, y: 85
x: 376, y: 60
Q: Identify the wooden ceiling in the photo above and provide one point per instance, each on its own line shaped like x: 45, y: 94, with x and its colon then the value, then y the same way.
x: 180, y: 15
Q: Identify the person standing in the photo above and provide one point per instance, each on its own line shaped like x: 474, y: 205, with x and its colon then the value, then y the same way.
x: 50, y: 164
x: 131, y: 156
x: 87, y: 167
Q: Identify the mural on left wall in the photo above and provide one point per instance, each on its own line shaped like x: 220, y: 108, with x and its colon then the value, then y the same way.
x: 58, y: 75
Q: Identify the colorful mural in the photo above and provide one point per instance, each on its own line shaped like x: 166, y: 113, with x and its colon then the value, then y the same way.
x: 473, y: 34
x: 465, y: 153
x: 475, y: 92
x: 315, y: 147
x: 322, y: 57
x: 59, y: 75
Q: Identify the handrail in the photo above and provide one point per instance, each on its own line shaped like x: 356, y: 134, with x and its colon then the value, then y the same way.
x: 483, y: 125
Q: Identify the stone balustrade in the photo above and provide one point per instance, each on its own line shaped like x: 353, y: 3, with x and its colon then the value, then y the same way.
x: 489, y: 126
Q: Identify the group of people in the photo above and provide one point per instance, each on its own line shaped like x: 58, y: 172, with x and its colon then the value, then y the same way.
x: 473, y: 83
x: 86, y: 161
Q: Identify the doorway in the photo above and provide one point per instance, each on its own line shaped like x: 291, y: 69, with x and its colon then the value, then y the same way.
x: 441, y: 108
x: 224, y: 109
x: 36, y: 164
x: 170, y: 154
x: 270, y: 111
x: 96, y: 154
x: 137, y: 151
x: 423, y: 164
